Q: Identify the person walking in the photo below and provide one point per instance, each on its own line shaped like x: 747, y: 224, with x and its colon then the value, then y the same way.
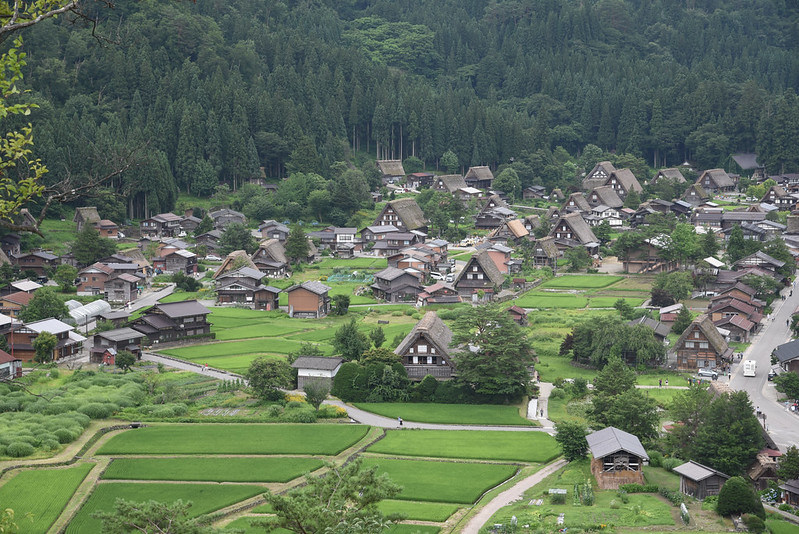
x: 667, y: 382
x: 660, y: 383
x: 399, y: 419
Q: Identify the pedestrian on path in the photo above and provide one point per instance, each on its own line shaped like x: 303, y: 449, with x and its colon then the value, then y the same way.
x: 206, y: 367
x: 399, y: 419
x: 542, y: 413
x: 667, y: 382
x: 660, y: 383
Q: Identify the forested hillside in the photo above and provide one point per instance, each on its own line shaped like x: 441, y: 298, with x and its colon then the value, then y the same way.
x: 208, y: 92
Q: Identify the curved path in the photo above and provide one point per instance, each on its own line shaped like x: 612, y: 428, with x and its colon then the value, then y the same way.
x: 508, y: 496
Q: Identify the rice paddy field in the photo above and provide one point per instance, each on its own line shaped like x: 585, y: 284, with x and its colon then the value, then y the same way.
x: 235, y: 439
x: 471, y: 414
x: 577, y: 281
x: 211, y: 469
x: 531, y: 447
x: 42, y: 493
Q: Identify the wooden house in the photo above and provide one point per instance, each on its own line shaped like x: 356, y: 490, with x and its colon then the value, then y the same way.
x: 532, y: 223
x: 479, y: 177
x: 404, y: 213
x: 316, y: 369
x: 122, y: 287
x: 725, y: 308
x: 576, y: 203
x: 374, y: 233
x: 494, y: 212
x: 243, y: 287
x: 416, y: 180
x: 501, y: 256
x: 309, y: 299
x: 176, y: 261
x: 700, y: 481
x: 85, y: 216
x: 534, y: 192
x: 226, y: 216
x: 10, y: 366
x: 449, y: 183
x: 509, y: 232
x: 650, y: 258
x: 393, y: 243
x: 272, y: 229
x: 21, y: 338
x: 623, y: 181
x: 660, y: 330
x: 428, y: 349
x: 695, y: 194
x: 716, y: 181
x: 210, y: 240
x: 396, y: 285
x: 787, y: 356
x: 598, y: 175
x: 701, y: 346
x: 778, y: 196
x: 519, y: 315
x: 546, y: 253
x: 789, y: 492
x: 669, y: 175
x: 118, y: 318
x: 479, y: 274
x: 39, y: 262
x: 762, y: 260
x: 92, y: 279
x: 174, y: 321
x: 438, y: 293
x: 733, y: 218
x: 763, y: 471
x: 271, y: 259
x: 606, y: 196
x: 119, y: 339
x: 189, y: 223
x: 107, y: 229
x: 161, y: 225
x: 618, y: 458
x: 391, y: 170
x: 12, y: 303
x: 571, y: 231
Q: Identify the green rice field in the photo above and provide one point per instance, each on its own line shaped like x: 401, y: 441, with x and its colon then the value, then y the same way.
x: 42, y: 493
x: 450, y: 482
x: 205, y: 498
x: 536, y: 299
x: 419, y: 511
x: 608, y: 302
x: 217, y: 469
x: 235, y: 439
x: 477, y: 444
x: 472, y: 414
x: 579, y: 281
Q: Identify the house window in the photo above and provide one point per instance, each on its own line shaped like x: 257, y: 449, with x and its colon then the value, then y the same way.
x: 689, y: 344
x: 696, y: 335
x: 416, y: 359
x: 422, y: 349
x: 432, y: 350
x: 410, y: 350
x: 703, y: 344
x: 474, y: 268
x: 480, y: 276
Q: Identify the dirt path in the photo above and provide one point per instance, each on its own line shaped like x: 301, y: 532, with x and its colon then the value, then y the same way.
x: 508, y: 496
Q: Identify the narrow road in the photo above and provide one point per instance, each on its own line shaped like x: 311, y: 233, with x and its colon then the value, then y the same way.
x: 508, y: 496
x: 782, y: 424
x: 184, y: 365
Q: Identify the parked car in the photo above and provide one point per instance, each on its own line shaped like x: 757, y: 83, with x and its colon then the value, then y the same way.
x: 213, y: 257
x: 450, y: 278
x: 771, y: 374
x: 436, y: 275
x: 708, y: 373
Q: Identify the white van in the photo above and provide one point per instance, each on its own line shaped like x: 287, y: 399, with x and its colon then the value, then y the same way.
x: 750, y: 367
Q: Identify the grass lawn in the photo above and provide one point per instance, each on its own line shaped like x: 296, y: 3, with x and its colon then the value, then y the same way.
x: 778, y: 526
x: 43, y: 493
x: 235, y: 439
x: 537, y: 299
x: 554, y: 367
x: 237, y: 364
x: 235, y: 348
x: 180, y: 296
x: 451, y: 482
x: 472, y: 414
x: 401, y: 528
x: 477, y: 444
x: 211, y: 469
x: 419, y: 511
x: 661, y: 477
x: 581, y: 281
x: 262, y: 329
x: 205, y: 498
x: 567, y: 410
x: 662, y: 396
x: 57, y: 234
x: 642, y: 510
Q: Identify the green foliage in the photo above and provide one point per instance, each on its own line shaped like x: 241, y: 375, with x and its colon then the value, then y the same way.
x: 378, y: 337
x: 571, y: 437
x: 236, y: 236
x: 349, y: 341
x: 185, y: 282
x: 788, y: 467
x: 206, y: 225
x: 43, y: 346
x: 90, y: 247
x: 45, y: 303
x: 787, y: 384
x: 676, y: 285
x: 125, y: 360
x: 316, y: 392
x: 144, y: 516
x: 508, y: 181
x: 577, y: 259
x: 65, y: 275
x: 753, y: 523
x: 341, y: 304
x: 266, y: 378
x: 737, y: 497
x: 464, y: 414
x: 297, y: 247
x: 683, y: 321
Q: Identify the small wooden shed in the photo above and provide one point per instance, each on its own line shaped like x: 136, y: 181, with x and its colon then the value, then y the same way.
x: 618, y: 458
x: 700, y: 481
x: 316, y: 369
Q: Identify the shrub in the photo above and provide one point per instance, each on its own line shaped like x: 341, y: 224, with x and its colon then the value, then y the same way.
x: 753, y: 523
x: 737, y: 497
x: 557, y: 498
x: 328, y: 411
x: 96, y: 410
x: 18, y: 449
x: 670, y: 463
x: 638, y: 488
x: 675, y: 497
x: 299, y: 416
x: 614, y: 505
x: 274, y: 410
x: 448, y: 393
x: 623, y: 496
x: 348, y: 383
x: 293, y: 405
x: 54, y: 373
x: 655, y: 458
x: 425, y: 391
x: 557, y: 393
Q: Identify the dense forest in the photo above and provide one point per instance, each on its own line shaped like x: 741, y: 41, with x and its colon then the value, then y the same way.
x: 207, y: 93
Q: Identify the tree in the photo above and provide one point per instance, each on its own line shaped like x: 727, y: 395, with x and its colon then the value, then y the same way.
x: 341, y: 304
x: 709, y: 244
x: 65, y: 275
x: 624, y: 308
x: 45, y: 303
x: 632, y: 200
x: 577, y: 258
x: 153, y: 516
x: 450, y: 161
x: 736, y: 246
x: 316, y: 392
x: 764, y: 285
x: 297, y: 245
x: 737, y: 497
x: 788, y: 467
x: 571, y: 437
x: 632, y: 412
x: 236, y: 236
x: 680, y: 244
x: 683, y: 321
x: 343, y: 501
x: 677, y: 285
x: 508, y: 182
x: 499, y: 356
x: 614, y: 379
x: 43, y: 346
x: 377, y: 336
x: 788, y: 384
x: 689, y: 409
x: 380, y: 355
x: 185, y: 282
x: 266, y: 377
x: 125, y: 360
x: 603, y: 231
x: 206, y: 225
x: 90, y: 247
x: 349, y: 341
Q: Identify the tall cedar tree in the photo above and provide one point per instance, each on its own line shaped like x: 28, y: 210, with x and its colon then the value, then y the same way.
x: 350, y: 342
x: 237, y: 237
x: 496, y: 354
x: 571, y: 437
x: 90, y: 247
x: 789, y: 464
x: 683, y: 321
x: 297, y: 245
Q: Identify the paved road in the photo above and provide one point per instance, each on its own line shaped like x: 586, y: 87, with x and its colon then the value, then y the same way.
x: 782, y: 425
x: 188, y: 366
